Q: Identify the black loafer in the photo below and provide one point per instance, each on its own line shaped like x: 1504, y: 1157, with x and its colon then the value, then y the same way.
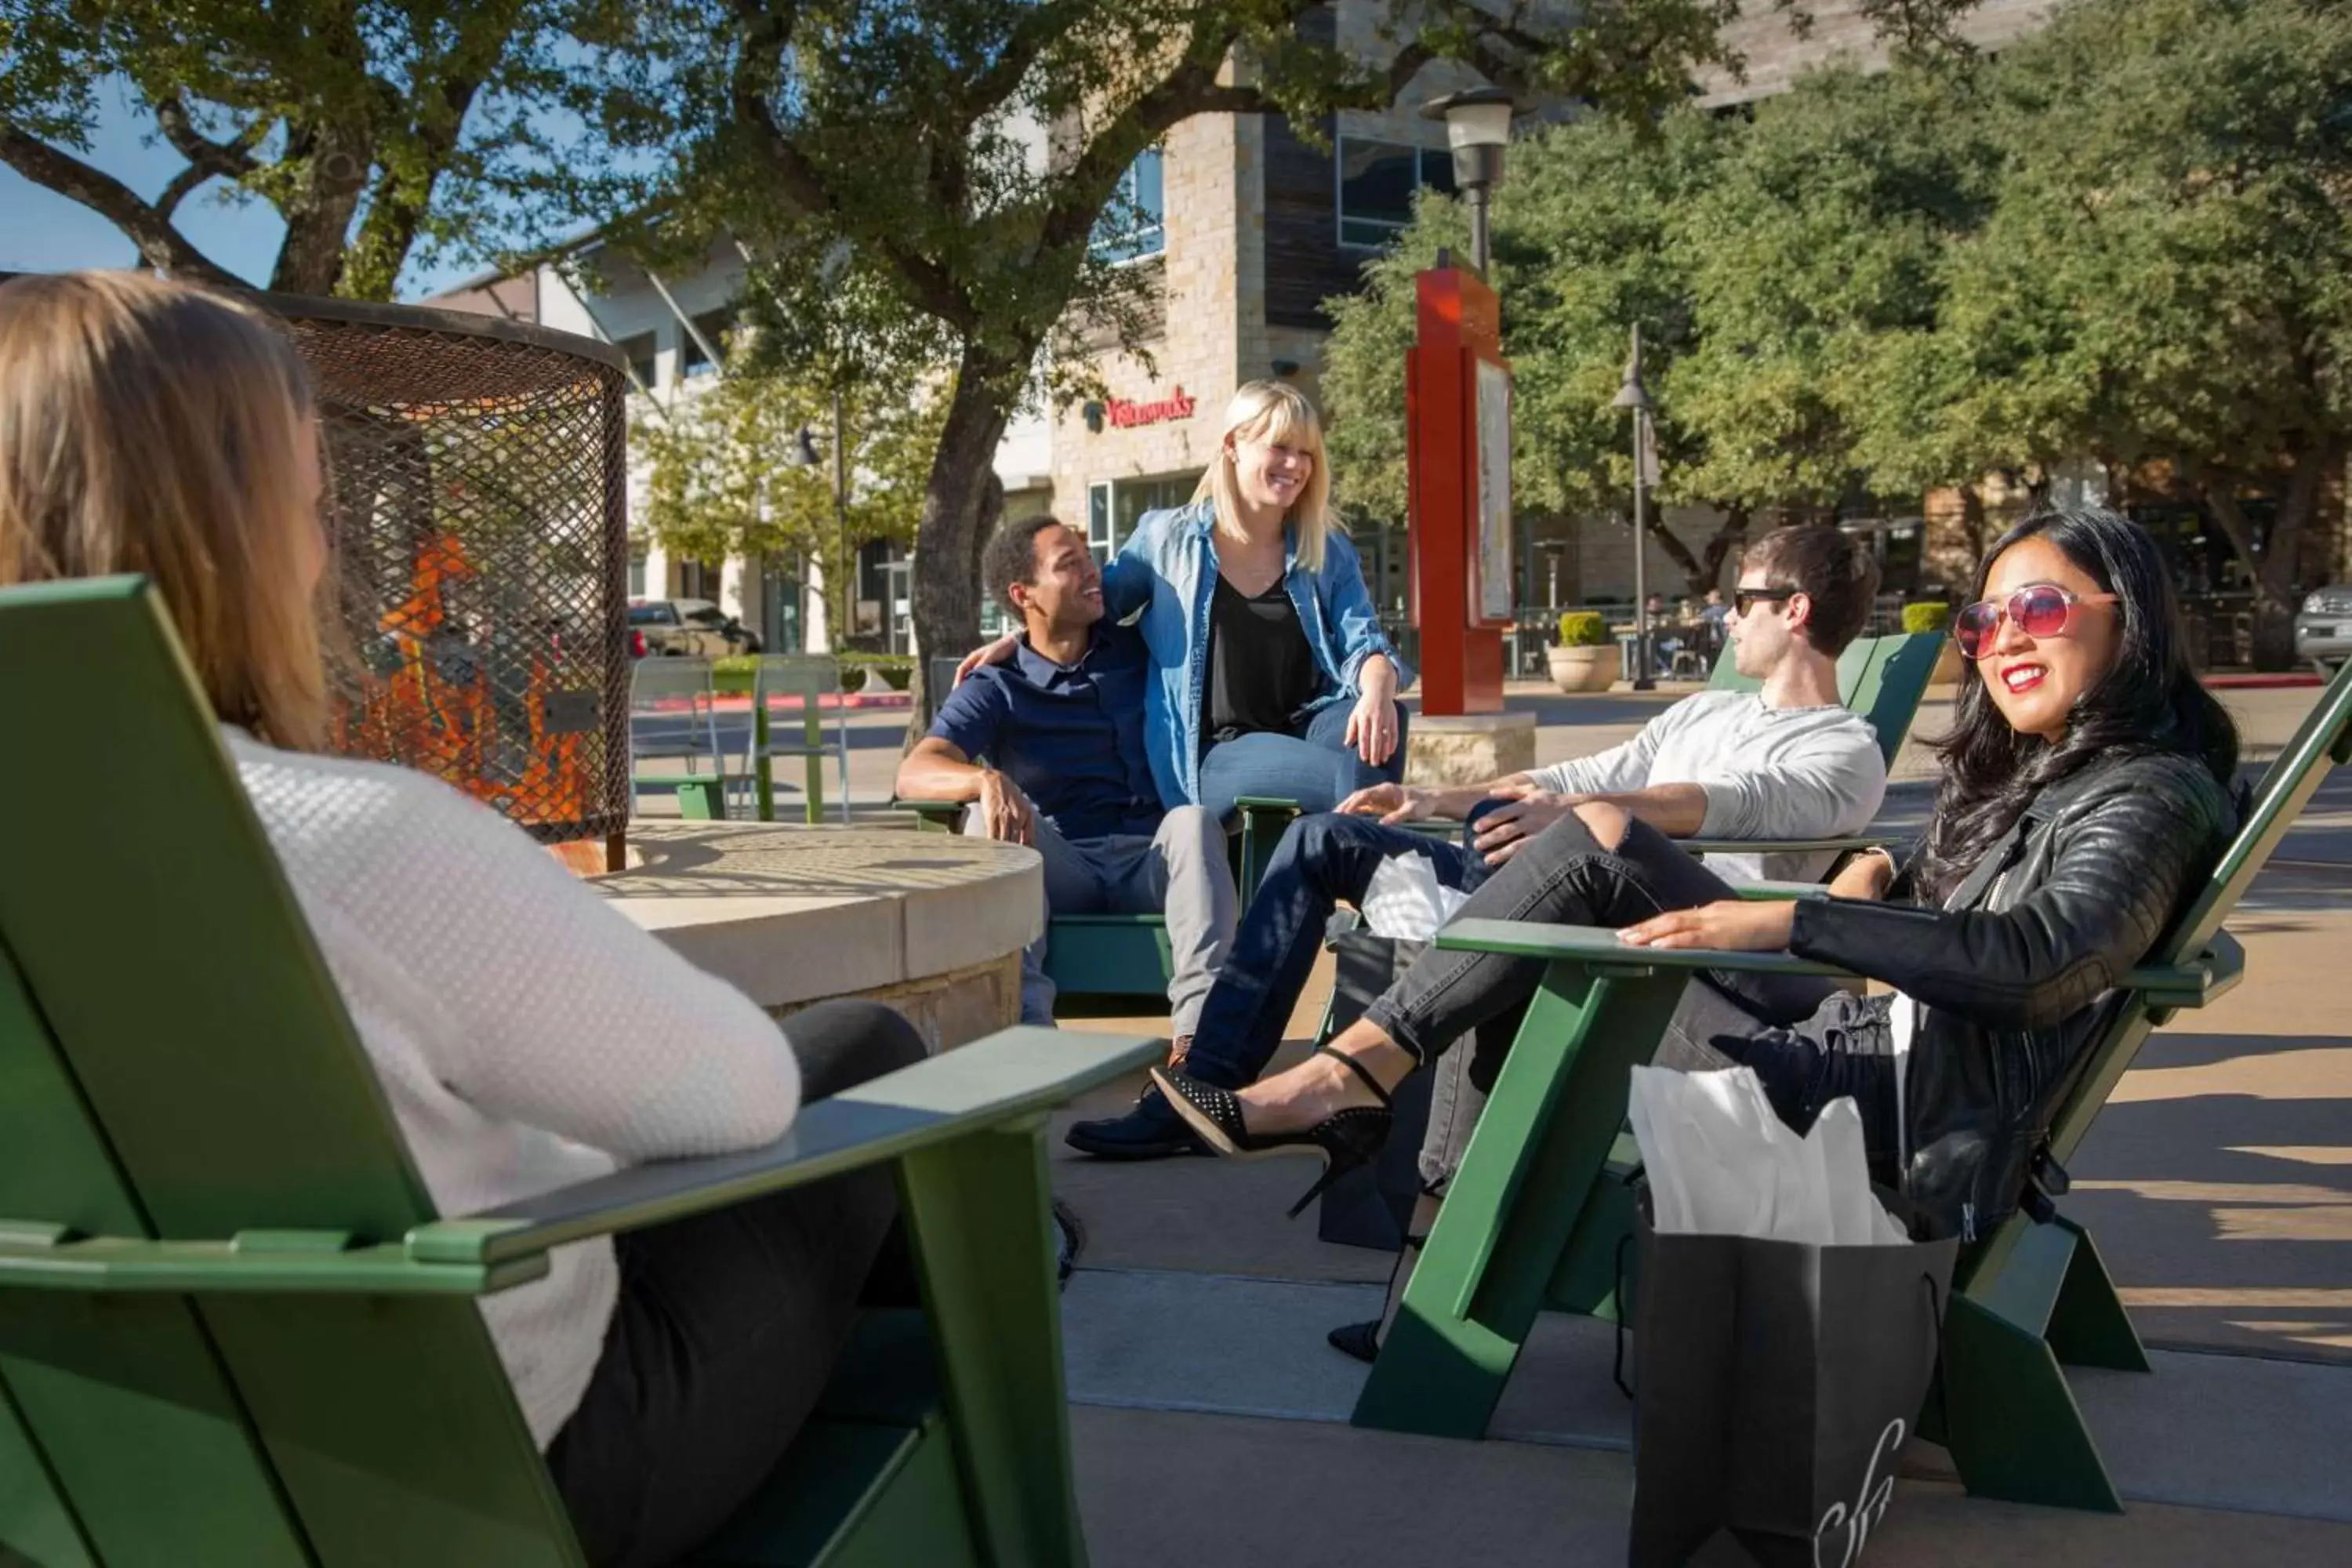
x: 1151, y: 1131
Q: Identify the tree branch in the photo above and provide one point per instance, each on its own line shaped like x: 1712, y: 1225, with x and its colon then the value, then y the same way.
x: 229, y: 159
x: 767, y: 34
x: 148, y: 227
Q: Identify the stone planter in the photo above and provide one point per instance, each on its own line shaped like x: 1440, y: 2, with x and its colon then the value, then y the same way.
x: 1575, y: 669
x: 1950, y: 665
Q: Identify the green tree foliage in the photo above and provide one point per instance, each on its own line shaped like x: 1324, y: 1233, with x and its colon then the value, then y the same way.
x: 718, y: 483
x: 2127, y: 240
x: 379, y: 131
x: 2168, y: 279
x: 965, y: 151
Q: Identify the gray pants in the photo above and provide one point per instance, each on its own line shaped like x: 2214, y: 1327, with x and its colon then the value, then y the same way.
x: 1179, y: 871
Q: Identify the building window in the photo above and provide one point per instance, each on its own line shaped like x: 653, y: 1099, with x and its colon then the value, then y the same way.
x: 1115, y: 506
x: 1377, y: 181
x: 637, y: 573
x: 713, y: 326
x: 641, y: 350
x: 1134, y: 223
x: 1098, y: 521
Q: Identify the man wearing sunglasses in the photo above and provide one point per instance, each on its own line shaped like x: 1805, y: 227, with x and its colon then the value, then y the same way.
x: 1790, y: 761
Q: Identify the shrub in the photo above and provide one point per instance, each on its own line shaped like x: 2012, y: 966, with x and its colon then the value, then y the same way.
x: 1583, y: 628
x: 1932, y: 616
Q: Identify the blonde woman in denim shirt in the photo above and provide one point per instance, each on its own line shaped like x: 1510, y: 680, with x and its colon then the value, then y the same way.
x: 1271, y: 676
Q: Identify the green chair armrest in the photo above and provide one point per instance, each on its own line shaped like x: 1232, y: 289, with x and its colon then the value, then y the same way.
x: 2205, y: 979
x: 944, y: 812
x: 1852, y: 845
x: 111, y: 1265
x: 1597, y: 948
x: 1250, y: 802
x: 1780, y: 892
x: 1010, y: 1076
x: 2221, y: 967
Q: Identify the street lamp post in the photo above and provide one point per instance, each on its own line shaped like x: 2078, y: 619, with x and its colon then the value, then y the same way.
x: 804, y: 455
x: 1477, y: 128
x: 1632, y: 395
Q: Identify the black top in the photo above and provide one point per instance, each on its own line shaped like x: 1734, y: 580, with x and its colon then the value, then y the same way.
x: 1261, y: 671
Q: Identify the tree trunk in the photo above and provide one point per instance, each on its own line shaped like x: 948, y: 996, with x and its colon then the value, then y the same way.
x: 2273, y: 568
x: 318, y: 213
x: 947, y: 600
x: 1730, y: 534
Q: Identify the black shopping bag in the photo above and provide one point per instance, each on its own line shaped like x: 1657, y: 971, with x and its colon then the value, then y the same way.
x: 1774, y: 1385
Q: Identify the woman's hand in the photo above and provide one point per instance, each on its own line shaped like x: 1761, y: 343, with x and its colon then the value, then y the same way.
x: 1730, y: 925
x: 996, y: 652
x: 1371, y: 727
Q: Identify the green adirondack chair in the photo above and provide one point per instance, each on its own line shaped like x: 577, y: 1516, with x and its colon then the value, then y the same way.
x: 232, y: 1328
x: 1534, y: 1216
x: 1882, y: 678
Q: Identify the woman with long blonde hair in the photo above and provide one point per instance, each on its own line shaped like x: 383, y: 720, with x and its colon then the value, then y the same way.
x: 527, y: 1035
x: 1272, y: 676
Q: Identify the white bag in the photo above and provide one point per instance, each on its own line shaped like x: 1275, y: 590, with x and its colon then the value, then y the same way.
x: 1720, y: 1161
x: 1405, y: 903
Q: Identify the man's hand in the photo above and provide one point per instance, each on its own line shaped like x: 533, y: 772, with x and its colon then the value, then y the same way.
x: 1392, y: 804
x: 1505, y: 830
x: 1731, y: 925
x: 996, y: 652
x: 1371, y: 731
x: 1005, y: 810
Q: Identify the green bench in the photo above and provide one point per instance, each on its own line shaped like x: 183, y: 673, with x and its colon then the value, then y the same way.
x: 1534, y: 1217
x: 232, y: 1328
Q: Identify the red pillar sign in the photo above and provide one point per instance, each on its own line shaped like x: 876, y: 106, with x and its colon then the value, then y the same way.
x: 1458, y: 467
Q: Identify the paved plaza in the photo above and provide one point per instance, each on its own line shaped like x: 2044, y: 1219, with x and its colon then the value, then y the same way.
x: 1211, y: 1416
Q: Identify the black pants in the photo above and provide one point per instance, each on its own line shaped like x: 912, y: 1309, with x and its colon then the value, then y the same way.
x: 1773, y: 1024
x: 728, y: 1325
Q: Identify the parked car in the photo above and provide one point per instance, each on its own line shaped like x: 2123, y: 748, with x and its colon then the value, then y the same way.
x: 2323, y: 633
x: 678, y: 629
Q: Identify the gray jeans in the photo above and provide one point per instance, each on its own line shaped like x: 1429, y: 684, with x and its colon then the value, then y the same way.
x: 1179, y: 871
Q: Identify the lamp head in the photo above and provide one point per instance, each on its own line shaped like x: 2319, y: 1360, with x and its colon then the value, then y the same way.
x: 1477, y: 128
x: 802, y: 452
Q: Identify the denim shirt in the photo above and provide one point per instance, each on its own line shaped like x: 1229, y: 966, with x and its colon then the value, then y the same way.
x: 1168, y: 569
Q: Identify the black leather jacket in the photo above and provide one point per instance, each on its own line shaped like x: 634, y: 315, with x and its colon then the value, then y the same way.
x: 2014, y: 972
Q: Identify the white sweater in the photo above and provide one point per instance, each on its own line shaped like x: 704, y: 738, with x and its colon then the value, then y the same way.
x: 1768, y: 772
x: 528, y: 1036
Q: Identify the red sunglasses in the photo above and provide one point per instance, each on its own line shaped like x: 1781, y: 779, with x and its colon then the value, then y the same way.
x: 2044, y: 610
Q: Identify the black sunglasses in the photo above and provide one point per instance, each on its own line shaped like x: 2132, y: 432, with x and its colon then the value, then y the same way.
x: 1742, y: 597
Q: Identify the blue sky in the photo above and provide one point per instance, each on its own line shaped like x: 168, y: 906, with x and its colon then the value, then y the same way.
x: 41, y: 231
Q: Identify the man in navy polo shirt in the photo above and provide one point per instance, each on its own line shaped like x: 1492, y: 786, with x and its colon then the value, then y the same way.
x: 1060, y: 725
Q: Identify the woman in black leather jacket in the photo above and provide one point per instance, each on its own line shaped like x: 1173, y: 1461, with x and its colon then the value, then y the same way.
x: 2087, y: 792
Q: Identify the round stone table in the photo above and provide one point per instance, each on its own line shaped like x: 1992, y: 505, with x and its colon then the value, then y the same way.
x: 931, y: 924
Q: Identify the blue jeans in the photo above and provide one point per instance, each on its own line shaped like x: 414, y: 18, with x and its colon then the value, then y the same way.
x: 1322, y: 861
x: 1316, y: 770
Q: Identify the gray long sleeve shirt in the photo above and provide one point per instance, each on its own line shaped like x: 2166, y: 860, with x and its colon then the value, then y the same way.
x: 1768, y: 772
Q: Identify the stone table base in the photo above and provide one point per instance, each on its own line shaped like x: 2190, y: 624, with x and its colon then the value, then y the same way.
x: 931, y: 924
x: 1469, y: 749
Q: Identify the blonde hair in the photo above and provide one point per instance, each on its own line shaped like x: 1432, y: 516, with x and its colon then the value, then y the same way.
x: 1277, y: 412
x: 150, y: 427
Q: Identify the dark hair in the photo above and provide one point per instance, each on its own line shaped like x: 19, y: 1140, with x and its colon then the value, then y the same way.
x: 1012, y: 557
x: 1831, y: 567
x: 2149, y: 703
